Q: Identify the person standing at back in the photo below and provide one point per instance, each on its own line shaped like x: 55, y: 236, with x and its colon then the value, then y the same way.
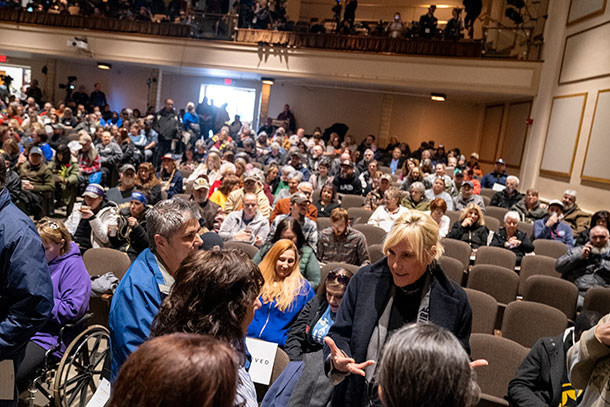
x: 26, y: 292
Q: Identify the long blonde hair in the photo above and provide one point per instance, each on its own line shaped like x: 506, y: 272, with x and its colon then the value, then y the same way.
x: 285, y: 291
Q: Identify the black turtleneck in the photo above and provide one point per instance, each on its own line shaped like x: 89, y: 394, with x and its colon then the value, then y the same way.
x: 406, y: 304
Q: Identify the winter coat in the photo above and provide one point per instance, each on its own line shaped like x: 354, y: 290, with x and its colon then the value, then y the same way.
x: 99, y: 224
x: 234, y: 223
x: 110, y: 154
x: 577, y: 219
x: 531, y: 215
x: 502, y: 200
x: 68, y: 172
x: 300, y: 339
x: 560, y: 231
x: 40, y: 176
x: 135, y: 304
x: 71, y: 291
x: 168, y: 125
x: 499, y: 240
x: 363, y: 304
x: 26, y: 292
x: 475, y: 235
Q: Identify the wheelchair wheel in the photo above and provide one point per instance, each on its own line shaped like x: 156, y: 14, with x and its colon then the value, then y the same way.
x: 80, y: 369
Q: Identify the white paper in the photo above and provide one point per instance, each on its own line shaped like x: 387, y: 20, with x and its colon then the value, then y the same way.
x: 7, y: 380
x: 101, y: 395
x: 498, y: 187
x: 263, y: 358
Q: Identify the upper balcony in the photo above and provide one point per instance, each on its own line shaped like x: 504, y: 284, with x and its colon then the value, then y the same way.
x: 314, y: 50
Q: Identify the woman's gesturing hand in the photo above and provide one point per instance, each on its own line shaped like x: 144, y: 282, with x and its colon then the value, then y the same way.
x: 343, y: 363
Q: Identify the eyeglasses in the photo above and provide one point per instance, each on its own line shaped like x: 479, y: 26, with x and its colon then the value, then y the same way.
x: 340, y: 278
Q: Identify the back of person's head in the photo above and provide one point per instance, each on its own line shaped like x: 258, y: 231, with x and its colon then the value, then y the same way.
x: 166, y: 217
x: 584, y: 321
x: 292, y: 225
x: 424, y: 365
x: 178, y: 370
x: 339, y: 214
x: 211, y: 296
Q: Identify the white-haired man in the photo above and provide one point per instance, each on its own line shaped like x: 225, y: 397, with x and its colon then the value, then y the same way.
x: 509, y: 196
x: 572, y: 214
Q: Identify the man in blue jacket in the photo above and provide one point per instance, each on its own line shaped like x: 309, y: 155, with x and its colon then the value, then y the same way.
x: 497, y: 176
x: 172, y: 227
x: 26, y: 293
x: 551, y: 227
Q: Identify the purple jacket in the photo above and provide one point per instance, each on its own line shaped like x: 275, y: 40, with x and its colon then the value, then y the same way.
x: 71, y: 290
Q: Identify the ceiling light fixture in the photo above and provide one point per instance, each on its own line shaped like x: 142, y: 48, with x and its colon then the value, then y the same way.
x: 438, y: 97
x: 104, y: 65
x: 268, y: 81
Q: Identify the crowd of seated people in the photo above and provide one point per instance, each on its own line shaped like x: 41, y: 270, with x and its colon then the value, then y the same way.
x: 268, y: 190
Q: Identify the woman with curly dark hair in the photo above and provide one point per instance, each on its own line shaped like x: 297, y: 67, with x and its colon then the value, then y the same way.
x: 216, y: 293
x: 153, y: 376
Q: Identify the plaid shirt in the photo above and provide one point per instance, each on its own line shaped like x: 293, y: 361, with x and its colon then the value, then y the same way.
x: 350, y: 247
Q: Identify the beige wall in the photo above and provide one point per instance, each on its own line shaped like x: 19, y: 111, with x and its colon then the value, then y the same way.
x: 413, y: 119
x: 591, y: 196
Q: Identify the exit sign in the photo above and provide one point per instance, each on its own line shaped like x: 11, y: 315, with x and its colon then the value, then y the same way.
x: 2, y: 58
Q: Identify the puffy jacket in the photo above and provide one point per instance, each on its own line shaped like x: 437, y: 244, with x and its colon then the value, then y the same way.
x: 502, y: 200
x: 40, y: 176
x: 71, y: 291
x: 110, y: 154
x: 26, y: 292
x: 593, y: 271
x: 475, y: 235
x: 69, y: 172
x: 168, y: 125
x: 99, y: 224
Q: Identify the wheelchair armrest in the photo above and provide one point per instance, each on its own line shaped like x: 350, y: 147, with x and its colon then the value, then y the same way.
x: 76, y: 323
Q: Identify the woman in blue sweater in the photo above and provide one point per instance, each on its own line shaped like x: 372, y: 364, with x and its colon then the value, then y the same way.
x: 284, y: 293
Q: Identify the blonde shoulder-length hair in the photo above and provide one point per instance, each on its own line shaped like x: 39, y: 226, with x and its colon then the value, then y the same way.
x: 470, y: 207
x: 284, y: 291
x: 421, y: 232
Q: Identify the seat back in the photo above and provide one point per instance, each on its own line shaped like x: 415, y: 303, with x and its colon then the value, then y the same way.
x: 484, y: 311
x: 486, y: 200
x: 525, y: 322
x: 376, y: 252
x: 332, y: 266
x: 279, y: 364
x: 492, y: 223
x: 374, y: 234
x: 498, y: 256
x: 488, y: 192
x: 453, y: 216
x: 597, y: 299
x: 323, y: 223
x: 453, y: 268
x: 551, y: 248
x: 385, y: 170
x: 247, y: 248
x: 504, y: 357
x: 526, y: 227
x: 558, y: 293
x: 496, y: 212
x: 458, y: 250
x: 102, y: 260
x: 351, y: 201
x: 359, y: 216
x: 536, y: 265
x: 499, y: 282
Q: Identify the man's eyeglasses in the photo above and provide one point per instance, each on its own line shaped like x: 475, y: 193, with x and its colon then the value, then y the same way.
x: 334, y: 275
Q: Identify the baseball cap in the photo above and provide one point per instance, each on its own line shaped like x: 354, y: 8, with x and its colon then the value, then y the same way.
x: 201, y: 183
x: 94, y: 191
x: 127, y: 167
x: 501, y: 161
x: 168, y: 156
x: 475, y: 155
x: 35, y: 150
x: 347, y: 162
x: 469, y: 183
x: 556, y: 202
x: 458, y: 173
x: 210, y: 240
x: 386, y: 177
x: 298, y: 197
x: 84, y: 139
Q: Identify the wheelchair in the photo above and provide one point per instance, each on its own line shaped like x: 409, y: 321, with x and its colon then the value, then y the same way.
x: 72, y: 380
